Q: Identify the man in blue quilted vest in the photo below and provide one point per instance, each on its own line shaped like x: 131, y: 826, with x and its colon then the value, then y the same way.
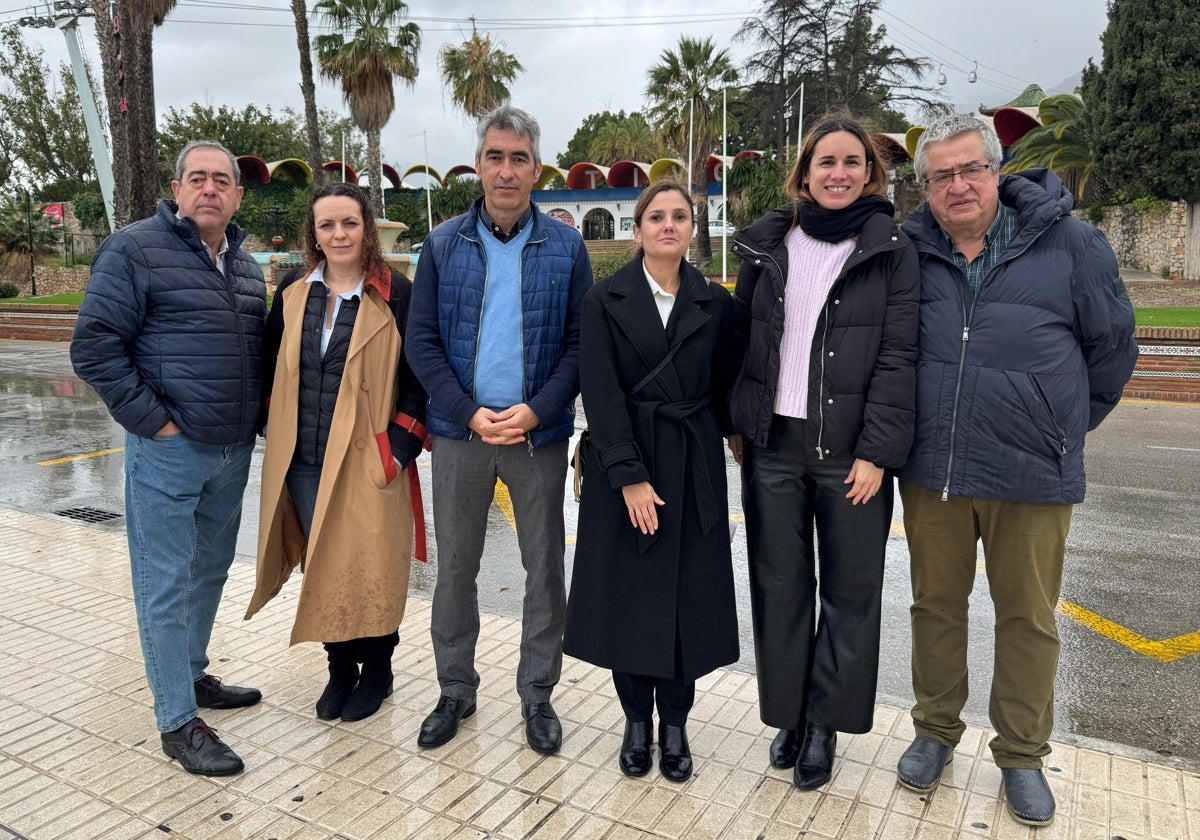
x: 493, y: 335
x: 170, y: 335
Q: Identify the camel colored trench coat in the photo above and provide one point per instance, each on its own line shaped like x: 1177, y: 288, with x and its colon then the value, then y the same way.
x: 355, y: 568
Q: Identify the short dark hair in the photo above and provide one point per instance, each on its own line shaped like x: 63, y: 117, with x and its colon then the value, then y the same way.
x: 372, y: 253
x: 181, y: 160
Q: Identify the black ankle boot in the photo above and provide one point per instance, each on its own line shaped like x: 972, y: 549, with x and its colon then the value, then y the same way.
x: 375, y: 682
x: 676, y: 760
x: 815, y: 763
x: 634, y: 757
x: 343, y: 677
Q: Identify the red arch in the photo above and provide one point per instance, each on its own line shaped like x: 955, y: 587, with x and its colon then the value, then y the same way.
x: 628, y: 173
x: 580, y: 176
x: 253, y: 169
x: 1012, y: 124
x: 334, y: 167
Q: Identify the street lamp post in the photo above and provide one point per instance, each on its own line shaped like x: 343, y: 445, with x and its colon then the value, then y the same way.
x: 29, y: 233
x: 428, y: 178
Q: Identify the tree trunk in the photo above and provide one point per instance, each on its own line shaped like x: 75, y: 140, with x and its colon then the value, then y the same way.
x: 309, y: 92
x: 374, y: 174
x: 137, y: 38
x: 703, y: 243
x: 112, y: 96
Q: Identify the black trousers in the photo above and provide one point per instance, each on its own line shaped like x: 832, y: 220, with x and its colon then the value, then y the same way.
x: 674, y: 696
x: 822, y: 667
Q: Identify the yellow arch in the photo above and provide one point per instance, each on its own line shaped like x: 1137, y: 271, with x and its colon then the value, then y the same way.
x: 668, y: 168
x: 422, y: 169
x: 549, y: 173
x: 294, y: 169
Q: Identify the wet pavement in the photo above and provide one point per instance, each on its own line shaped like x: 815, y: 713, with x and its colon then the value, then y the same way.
x: 1130, y: 622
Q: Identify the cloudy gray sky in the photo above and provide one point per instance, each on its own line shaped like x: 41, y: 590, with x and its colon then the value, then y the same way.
x: 582, y: 58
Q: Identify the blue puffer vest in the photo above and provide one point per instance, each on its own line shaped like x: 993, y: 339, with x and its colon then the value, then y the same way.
x: 554, y: 276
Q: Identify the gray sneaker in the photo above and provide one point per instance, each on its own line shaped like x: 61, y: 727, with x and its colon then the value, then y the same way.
x: 920, y: 768
x: 1030, y: 801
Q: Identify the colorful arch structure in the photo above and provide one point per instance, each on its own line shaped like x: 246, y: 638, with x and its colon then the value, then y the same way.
x: 253, y: 169
x: 584, y: 175
x: 428, y: 171
x: 291, y: 169
x: 891, y: 147
x: 459, y: 170
x: 668, y: 168
x: 628, y: 173
x: 549, y: 173
x: 342, y: 170
x: 1014, y: 123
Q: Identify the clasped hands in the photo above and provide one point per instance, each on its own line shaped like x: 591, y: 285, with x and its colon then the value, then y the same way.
x: 503, y: 427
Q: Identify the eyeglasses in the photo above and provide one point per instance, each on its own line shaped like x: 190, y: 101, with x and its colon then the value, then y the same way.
x: 972, y: 174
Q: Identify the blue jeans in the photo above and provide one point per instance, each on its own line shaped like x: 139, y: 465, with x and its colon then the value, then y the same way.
x: 183, y: 506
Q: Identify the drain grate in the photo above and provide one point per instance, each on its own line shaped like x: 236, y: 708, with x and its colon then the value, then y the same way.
x: 88, y: 514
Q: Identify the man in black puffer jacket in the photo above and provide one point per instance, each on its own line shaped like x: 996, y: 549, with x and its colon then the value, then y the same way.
x: 1026, y: 342
x: 170, y: 335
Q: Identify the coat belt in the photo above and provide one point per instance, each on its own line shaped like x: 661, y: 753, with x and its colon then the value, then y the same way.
x: 684, y: 412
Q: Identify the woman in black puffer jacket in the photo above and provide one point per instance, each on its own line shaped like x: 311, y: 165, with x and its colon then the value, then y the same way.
x: 825, y: 324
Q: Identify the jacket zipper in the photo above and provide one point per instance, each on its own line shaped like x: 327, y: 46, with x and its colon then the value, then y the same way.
x: 968, y: 317
x: 479, y: 325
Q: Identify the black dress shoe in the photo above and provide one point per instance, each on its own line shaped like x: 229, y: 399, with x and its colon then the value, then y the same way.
x: 211, y: 693
x: 785, y: 748
x: 921, y: 766
x: 442, y: 723
x: 198, y: 749
x: 676, y: 760
x: 542, y: 728
x: 635, y: 747
x: 1029, y: 799
x: 814, y: 765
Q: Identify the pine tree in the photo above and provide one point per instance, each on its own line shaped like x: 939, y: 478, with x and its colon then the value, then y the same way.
x: 1143, y: 116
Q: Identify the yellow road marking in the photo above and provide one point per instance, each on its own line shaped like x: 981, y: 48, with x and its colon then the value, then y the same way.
x: 504, y: 502
x: 95, y: 454
x: 1164, y: 650
x: 1156, y: 402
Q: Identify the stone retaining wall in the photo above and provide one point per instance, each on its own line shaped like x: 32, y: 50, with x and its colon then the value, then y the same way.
x: 1148, y: 241
x: 52, y: 280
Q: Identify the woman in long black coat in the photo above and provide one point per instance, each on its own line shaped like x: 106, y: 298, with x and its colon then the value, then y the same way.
x: 652, y: 589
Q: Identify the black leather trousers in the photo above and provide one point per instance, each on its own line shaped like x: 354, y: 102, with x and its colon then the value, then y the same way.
x: 813, y: 665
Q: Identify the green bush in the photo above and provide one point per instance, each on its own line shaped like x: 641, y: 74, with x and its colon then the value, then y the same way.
x: 605, y: 265
x: 1095, y: 214
x: 8, y: 290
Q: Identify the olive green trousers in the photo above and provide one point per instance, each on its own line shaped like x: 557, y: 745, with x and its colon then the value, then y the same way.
x: 1023, y: 548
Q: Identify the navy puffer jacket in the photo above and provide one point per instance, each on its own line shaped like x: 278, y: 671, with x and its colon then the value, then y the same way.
x: 163, y: 335
x: 1008, y: 384
x: 447, y: 303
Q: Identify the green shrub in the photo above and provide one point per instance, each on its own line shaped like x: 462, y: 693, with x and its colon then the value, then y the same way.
x: 8, y: 290
x: 1165, y: 272
x: 605, y: 265
x: 1095, y: 214
x: 1146, y: 206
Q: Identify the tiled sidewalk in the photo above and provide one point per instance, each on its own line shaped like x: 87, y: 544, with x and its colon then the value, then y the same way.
x: 79, y: 756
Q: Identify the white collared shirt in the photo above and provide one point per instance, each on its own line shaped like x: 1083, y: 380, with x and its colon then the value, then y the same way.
x: 327, y: 322
x: 664, y: 301
x: 220, y: 260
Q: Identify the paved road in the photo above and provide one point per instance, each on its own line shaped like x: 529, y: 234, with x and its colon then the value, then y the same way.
x: 1131, y: 582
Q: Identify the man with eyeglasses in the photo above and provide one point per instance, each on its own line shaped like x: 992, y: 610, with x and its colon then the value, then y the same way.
x: 170, y: 335
x: 1026, y: 342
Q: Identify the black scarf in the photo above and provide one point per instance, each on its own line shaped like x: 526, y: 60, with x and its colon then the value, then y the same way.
x: 838, y: 225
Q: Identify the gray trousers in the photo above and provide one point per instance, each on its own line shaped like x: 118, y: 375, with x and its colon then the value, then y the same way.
x: 464, y: 483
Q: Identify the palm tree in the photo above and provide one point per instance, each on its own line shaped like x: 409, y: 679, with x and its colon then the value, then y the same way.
x: 685, y: 87
x: 370, y: 45
x: 138, y: 19
x: 309, y: 91
x: 477, y: 74
x: 1059, y: 143
x: 630, y: 138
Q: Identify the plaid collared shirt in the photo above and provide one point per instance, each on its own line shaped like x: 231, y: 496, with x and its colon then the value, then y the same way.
x: 995, y: 243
